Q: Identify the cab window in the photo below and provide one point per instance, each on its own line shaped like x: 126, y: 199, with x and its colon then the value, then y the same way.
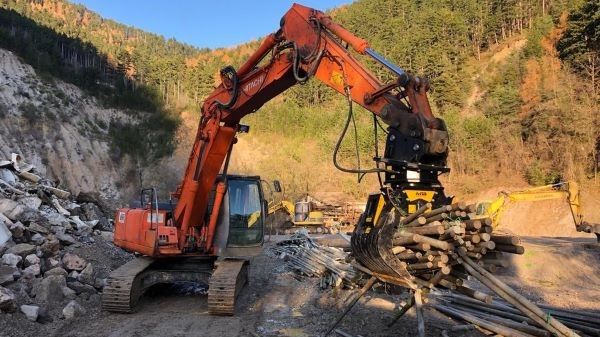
x: 245, y: 214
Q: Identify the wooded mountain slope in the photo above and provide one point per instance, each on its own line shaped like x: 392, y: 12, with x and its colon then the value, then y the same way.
x: 515, y: 110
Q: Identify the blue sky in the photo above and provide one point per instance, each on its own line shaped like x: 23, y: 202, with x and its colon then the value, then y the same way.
x: 201, y: 23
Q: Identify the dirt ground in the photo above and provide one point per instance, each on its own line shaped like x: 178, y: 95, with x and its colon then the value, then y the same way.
x: 559, y: 272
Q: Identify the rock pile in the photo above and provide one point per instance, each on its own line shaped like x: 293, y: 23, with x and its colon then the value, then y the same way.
x: 40, y: 227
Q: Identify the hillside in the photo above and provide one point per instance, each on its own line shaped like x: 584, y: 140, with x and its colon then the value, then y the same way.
x: 517, y: 111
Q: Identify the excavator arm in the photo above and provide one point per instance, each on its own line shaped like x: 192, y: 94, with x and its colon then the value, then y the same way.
x: 308, y: 44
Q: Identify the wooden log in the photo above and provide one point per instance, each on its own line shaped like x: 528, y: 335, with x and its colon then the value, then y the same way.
x: 442, y: 273
x: 473, y: 255
x: 485, y: 236
x: 403, y: 238
x: 398, y: 249
x: 426, y: 258
x: 486, y: 222
x: 405, y: 308
x: 486, y: 229
x: 460, y: 214
x: 506, y: 239
x: 439, y: 210
x: 422, y: 265
x: 416, y: 214
x: 419, y: 310
x: 424, y: 247
x: 59, y: 208
x: 472, y: 224
x: 34, y: 178
x: 427, y: 230
x: 438, y: 217
x: 56, y: 191
x: 510, y: 249
x: 473, y: 238
x: 489, y: 245
x: 442, y: 258
x: 499, y: 329
x: 360, y: 294
x: 420, y: 221
x: 478, y: 295
x: 519, y: 325
x: 456, y: 280
x: 481, y: 250
x: 433, y: 242
x: 447, y: 284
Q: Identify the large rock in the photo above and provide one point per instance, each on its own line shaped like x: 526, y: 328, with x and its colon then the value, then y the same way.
x: 22, y: 249
x: 12, y: 260
x: 37, y: 239
x: 82, y: 227
x: 69, y: 293
x: 8, y: 176
x: 49, y: 289
x: 56, y: 219
x: 31, y: 202
x: 65, y: 239
x: 31, y: 271
x: 72, y: 310
x: 87, y: 275
x: 7, y: 300
x: 57, y: 271
x: 31, y: 259
x: 31, y: 312
x: 5, y: 233
x: 17, y: 229
x: 35, y: 228
x: 50, y: 247
x: 11, y: 209
x: 8, y: 274
x: 73, y: 262
x: 81, y: 288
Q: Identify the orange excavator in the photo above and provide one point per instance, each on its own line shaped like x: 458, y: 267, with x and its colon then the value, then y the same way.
x: 214, y: 221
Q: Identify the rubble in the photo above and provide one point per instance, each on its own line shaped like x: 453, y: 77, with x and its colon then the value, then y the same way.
x: 43, y: 229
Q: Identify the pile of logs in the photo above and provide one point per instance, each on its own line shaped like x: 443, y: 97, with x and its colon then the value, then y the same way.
x: 303, y: 255
x: 429, y: 243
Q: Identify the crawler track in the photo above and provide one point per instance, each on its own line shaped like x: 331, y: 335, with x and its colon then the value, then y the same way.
x: 225, y: 284
x: 122, y: 290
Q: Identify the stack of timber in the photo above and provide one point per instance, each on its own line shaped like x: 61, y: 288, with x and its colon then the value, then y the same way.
x: 306, y: 257
x: 429, y: 244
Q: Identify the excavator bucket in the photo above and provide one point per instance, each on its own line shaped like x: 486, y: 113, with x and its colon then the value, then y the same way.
x: 372, y: 247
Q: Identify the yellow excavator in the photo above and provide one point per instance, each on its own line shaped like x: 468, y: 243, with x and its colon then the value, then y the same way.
x: 301, y: 214
x: 568, y: 191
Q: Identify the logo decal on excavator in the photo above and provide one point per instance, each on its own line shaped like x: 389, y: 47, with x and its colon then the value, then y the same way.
x: 254, y: 84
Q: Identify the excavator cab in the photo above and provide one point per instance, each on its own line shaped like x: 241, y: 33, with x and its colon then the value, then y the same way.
x: 241, y: 223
